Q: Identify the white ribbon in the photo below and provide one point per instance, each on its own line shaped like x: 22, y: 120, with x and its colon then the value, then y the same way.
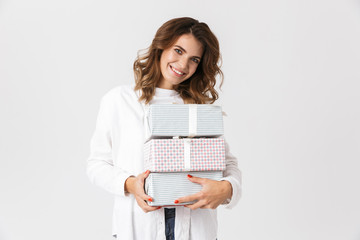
x: 146, y: 120
x: 187, y: 156
x: 192, y: 120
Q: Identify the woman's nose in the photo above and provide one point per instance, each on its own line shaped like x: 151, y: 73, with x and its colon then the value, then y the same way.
x: 183, y: 63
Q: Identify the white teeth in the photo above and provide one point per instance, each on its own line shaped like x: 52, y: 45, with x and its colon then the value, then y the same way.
x: 180, y: 73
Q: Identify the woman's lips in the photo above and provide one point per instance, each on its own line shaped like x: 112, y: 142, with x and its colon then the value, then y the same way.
x: 176, y: 71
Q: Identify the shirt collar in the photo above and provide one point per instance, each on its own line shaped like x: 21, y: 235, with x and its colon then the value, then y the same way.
x: 162, y: 92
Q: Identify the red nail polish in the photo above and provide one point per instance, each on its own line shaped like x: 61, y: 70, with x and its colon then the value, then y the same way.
x: 158, y: 207
x: 147, y: 171
x: 176, y: 201
x: 150, y: 200
x: 189, y: 176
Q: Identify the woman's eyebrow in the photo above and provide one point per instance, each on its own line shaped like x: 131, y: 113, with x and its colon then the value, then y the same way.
x: 182, y: 49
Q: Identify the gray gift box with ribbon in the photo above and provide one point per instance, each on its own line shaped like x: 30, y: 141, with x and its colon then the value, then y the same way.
x: 184, y: 120
x: 165, y: 188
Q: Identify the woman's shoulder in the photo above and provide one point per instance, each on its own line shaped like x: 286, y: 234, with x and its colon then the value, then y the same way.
x: 121, y: 92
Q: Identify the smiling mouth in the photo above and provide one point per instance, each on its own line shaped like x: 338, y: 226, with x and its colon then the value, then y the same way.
x: 177, y: 72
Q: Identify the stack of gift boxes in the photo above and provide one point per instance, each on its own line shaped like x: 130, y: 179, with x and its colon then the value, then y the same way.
x: 183, y: 139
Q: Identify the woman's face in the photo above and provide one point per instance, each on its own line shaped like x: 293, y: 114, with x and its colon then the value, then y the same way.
x: 179, y: 62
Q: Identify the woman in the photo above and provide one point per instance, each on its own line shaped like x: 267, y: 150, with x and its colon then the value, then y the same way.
x: 179, y: 67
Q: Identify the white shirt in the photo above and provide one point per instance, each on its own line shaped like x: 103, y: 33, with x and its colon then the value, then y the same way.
x: 116, y: 152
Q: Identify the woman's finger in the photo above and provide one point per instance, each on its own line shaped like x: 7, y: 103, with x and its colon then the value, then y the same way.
x: 198, y: 204
x: 189, y: 198
x: 145, y: 174
x: 145, y: 197
x: 145, y: 207
x: 198, y: 180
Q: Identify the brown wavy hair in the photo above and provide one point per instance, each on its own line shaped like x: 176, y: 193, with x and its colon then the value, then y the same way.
x: 200, y: 87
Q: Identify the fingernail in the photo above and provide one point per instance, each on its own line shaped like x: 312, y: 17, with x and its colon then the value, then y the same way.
x: 150, y: 200
x: 147, y: 171
x: 176, y: 201
x: 158, y: 207
x: 189, y: 176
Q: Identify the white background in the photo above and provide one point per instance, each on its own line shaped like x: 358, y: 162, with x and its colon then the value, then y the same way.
x: 291, y: 93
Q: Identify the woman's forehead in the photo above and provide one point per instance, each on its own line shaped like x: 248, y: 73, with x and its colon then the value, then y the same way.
x: 190, y: 44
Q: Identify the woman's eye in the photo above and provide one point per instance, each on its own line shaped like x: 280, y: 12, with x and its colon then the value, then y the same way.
x: 195, y: 60
x: 178, y: 50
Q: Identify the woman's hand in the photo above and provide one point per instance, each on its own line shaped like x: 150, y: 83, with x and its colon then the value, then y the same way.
x: 212, y: 194
x: 135, y: 186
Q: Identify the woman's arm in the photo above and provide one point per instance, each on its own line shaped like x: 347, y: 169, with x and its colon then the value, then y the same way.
x: 232, y: 174
x: 100, y: 167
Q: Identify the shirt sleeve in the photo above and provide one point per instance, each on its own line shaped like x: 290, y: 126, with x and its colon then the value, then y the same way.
x: 232, y: 174
x: 100, y: 166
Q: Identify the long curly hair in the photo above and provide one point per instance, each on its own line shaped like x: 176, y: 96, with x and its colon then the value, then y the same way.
x: 200, y: 87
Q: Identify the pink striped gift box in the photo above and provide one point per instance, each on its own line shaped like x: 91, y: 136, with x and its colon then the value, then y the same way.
x: 185, y: 154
